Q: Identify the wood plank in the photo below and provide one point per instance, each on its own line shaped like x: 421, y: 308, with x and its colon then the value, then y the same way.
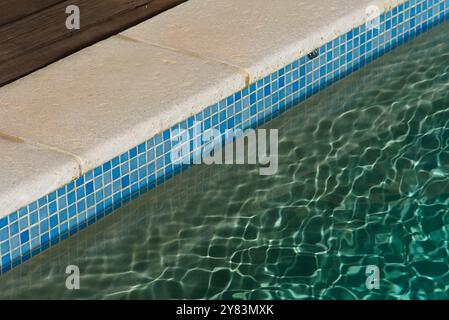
x: 41, y: 38
x: 11, y: 10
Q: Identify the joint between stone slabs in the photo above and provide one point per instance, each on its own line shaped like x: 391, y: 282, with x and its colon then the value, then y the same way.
x: 191, y: 54
x: 11, y: 138
x: 16, y: 139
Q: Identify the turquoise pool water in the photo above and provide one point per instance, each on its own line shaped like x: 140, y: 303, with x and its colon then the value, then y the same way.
x: 363, y: 180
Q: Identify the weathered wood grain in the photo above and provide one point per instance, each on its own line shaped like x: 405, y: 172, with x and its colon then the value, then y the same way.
x: 11, y: 10
x: 37, y: 39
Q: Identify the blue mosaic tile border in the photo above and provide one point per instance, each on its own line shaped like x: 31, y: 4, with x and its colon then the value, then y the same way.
x: 60, y: 214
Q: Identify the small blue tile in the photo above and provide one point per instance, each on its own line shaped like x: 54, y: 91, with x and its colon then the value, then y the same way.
x: 89, y: 188
x: 116, y: 173
x: 107, y: 166
x: 125, y: 181
x: 4, y: 234
x: 14, y: 228
x: 24, y: 237
x: 3, y: 222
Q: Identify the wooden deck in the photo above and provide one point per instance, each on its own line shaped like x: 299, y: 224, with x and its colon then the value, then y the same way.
x: 33, y: 32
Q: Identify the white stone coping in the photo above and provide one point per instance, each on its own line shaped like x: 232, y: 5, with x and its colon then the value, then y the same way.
x: 72, y: 116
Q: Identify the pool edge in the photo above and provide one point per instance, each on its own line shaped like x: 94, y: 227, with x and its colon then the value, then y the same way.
x: 76, y: 205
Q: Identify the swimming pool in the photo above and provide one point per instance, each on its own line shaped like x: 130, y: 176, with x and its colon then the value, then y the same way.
x: 362, y: 180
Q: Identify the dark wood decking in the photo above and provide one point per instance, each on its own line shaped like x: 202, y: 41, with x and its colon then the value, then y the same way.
x: 33, y: 32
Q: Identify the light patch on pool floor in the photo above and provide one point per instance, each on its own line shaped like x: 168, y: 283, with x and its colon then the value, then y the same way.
x: 113, y: 106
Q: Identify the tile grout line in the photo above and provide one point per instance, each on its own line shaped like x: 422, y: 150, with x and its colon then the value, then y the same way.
x: 245, y: 72
x: 114, y: 199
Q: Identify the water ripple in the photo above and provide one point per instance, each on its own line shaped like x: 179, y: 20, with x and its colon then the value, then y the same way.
x: 363, y: 180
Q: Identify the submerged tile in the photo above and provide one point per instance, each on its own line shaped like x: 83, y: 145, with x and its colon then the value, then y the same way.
x: 101, y: 92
